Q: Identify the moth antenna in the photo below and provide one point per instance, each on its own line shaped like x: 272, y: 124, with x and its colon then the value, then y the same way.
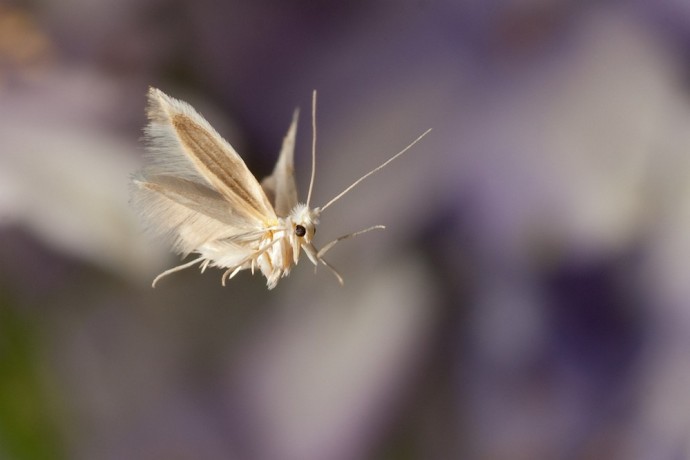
x: 381, y: 166
x: 313, y: 146
x: 175, y: 269
x: 328, y: 247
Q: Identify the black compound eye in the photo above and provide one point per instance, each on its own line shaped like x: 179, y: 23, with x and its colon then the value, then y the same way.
x: 300, y: 230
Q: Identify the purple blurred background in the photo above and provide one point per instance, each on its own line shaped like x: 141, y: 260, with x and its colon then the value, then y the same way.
x: 530, y: 298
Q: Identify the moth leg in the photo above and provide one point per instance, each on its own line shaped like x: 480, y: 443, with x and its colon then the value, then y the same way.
x: 311, y: 253
x: 333, y: 270
x: 205, y: 265
x: 175, y: 269
x: 327, y: 248
x: 232, y: 272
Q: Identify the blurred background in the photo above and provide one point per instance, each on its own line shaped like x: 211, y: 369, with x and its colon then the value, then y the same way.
x: 530, y: 298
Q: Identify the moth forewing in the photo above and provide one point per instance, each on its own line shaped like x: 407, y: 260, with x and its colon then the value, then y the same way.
x: 213, y: 158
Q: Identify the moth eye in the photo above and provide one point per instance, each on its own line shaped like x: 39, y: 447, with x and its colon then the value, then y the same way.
x: 300, y: 230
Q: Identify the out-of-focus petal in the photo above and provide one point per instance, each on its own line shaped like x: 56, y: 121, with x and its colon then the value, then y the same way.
x: 64, y: 172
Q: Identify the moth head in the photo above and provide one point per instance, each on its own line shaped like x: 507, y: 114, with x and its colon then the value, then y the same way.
x: 304, y: 222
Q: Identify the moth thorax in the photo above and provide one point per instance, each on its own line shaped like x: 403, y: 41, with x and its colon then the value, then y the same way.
x: 304, y: 221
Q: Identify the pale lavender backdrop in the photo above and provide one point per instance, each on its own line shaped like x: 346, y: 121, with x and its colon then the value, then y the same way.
x: 530, y: 298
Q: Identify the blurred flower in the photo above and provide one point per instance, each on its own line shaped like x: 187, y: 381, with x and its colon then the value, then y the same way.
x: 64, y: 174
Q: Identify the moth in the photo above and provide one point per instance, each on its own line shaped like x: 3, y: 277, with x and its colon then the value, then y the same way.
x: 197, y: 193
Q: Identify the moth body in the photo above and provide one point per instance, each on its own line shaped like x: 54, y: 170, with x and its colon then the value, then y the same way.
x: 196, y: 191
x: 274, y: 253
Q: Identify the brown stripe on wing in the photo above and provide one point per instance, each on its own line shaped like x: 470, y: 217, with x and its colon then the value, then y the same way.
x: 224, y: 170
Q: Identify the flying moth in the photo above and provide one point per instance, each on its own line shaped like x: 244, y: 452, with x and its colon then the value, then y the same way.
x: 197, y: 193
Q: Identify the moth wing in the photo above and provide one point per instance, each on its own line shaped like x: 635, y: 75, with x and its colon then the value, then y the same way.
x: 188, y: 214
x: 183, y: 144
x: 280, y: 186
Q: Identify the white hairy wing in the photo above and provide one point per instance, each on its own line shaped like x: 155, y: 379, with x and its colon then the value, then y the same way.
x: 183, y: 144
x: 280, y: 185
x: 187, y: 214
